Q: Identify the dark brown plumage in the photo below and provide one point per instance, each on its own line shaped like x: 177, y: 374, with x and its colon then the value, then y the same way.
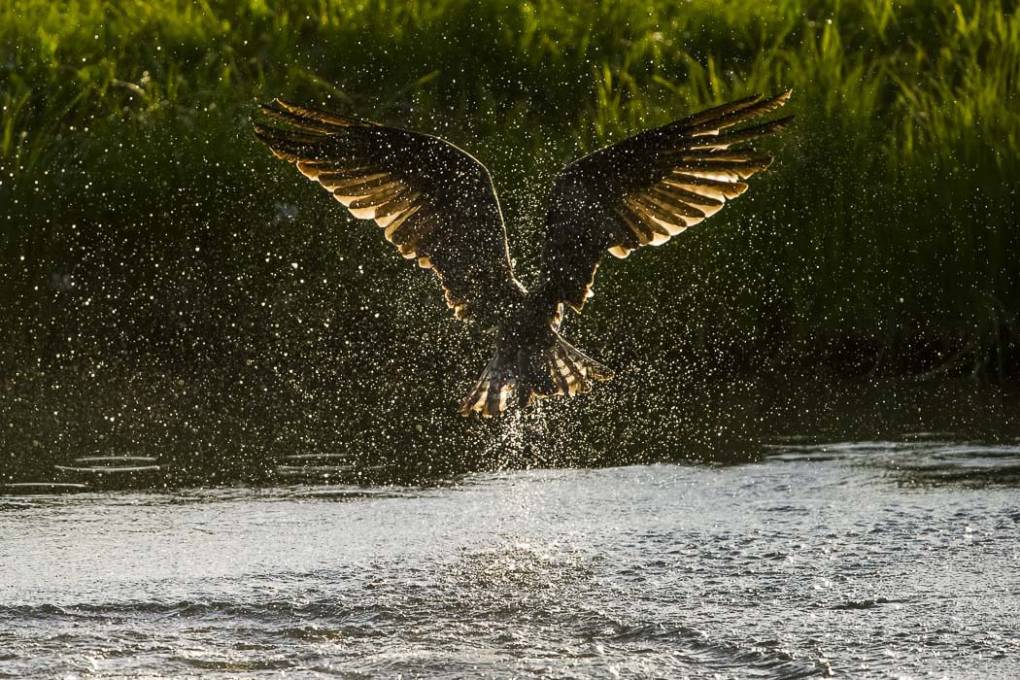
x: 437, y: 205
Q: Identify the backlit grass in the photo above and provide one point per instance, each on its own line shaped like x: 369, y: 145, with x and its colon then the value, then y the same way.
x: 135, y: 203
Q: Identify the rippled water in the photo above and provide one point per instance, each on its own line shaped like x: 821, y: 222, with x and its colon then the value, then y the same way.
x: 858, y: 560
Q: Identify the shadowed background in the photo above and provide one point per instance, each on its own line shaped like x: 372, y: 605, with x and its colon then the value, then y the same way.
x: 169, y: 289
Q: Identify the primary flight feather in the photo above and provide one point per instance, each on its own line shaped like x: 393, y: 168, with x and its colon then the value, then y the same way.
x: 437, y: 205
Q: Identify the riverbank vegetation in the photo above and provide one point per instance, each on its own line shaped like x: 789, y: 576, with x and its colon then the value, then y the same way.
x: 142, y: 224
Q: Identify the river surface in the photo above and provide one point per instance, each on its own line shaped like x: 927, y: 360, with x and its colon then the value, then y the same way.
x: 883, y: 560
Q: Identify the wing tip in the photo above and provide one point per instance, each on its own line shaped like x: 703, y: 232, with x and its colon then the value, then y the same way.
x: 259, y: 129
x: 272, y: 138
x: 713, y: 120
x: 304, y: 118
x: 780, y: 99
x: 275, y: 104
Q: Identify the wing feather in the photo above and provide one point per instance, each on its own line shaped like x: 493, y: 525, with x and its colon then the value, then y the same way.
x: 434, y: 202
x: 649, y: 188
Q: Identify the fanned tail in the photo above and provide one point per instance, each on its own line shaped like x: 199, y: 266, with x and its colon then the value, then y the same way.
x: 492, y: 392
x: 559, y: 370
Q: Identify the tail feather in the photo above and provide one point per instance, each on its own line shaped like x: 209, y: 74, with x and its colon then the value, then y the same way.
x: 477, y: 397
x: 570, y: 377
x: 560, y: 370
x: 592, y: 368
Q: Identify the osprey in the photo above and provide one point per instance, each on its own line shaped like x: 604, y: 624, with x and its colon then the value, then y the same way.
x: 437, y: 205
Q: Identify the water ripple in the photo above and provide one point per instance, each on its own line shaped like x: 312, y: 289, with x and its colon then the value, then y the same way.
x: 819, y: 561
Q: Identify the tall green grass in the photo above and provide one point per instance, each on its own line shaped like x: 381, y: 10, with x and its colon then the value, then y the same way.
x: 885, y: 239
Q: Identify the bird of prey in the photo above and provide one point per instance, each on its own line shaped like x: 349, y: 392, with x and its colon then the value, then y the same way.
x: 436, y: 203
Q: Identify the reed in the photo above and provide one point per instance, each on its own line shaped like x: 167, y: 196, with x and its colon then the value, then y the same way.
x: 884, y: 240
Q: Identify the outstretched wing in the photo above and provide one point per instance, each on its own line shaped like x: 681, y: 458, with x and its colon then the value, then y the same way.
x: 647, y: 189
x: 435, y: 202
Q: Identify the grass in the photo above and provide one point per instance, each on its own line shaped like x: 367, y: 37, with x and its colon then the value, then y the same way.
x: 138, y: 211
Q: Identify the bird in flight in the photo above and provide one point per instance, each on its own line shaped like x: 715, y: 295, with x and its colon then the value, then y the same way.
x: 436, y: 203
